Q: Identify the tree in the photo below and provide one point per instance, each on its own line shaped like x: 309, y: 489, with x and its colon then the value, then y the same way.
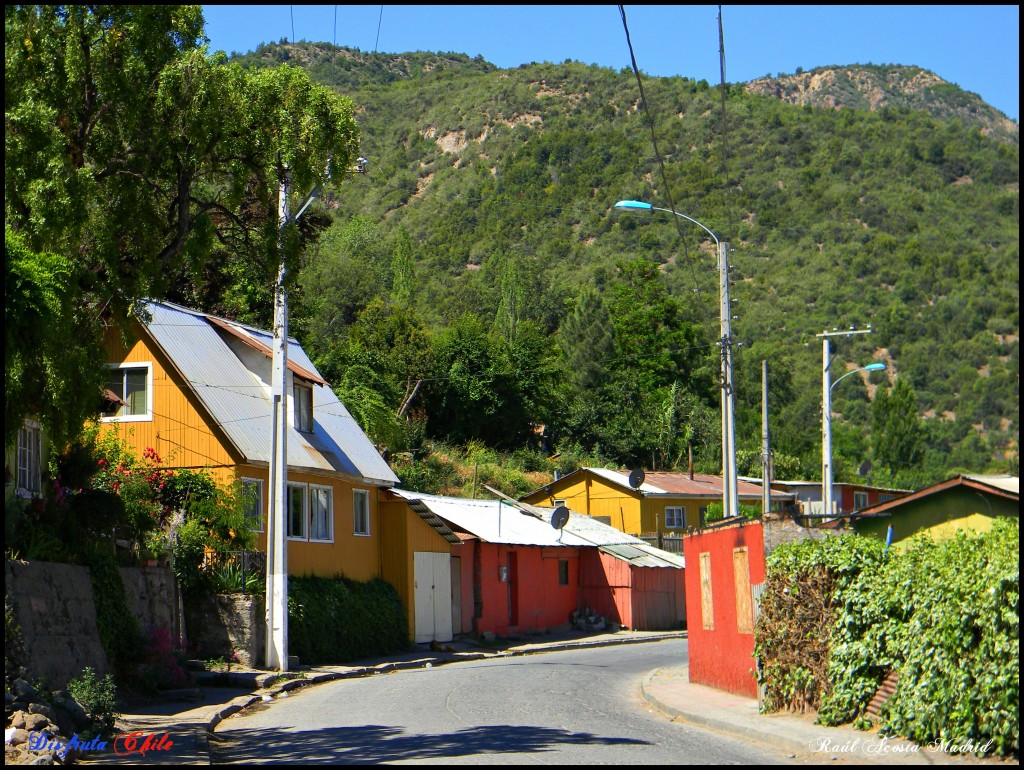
x: 129, y: 153
x: 896, y: 431
x: 587, y: 340
x: 57, y: 383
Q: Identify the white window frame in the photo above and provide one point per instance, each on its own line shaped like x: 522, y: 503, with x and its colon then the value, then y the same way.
x: 302, y: 406
x: 863, y: 499
x: 147, y: 416
x: 30, y: 460
x: 314, y: 489
x: 678, y: 510
x: 259, y: 511
x: 357, y: 495
x: 303, y: 515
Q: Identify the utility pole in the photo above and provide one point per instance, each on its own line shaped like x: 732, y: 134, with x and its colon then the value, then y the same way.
x: 826, y: 415
x: 277, y: 518
x: 729, y: 483
x: 277, y: 548
x: 766, y: 450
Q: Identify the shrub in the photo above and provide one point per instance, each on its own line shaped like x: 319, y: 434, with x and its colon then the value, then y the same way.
x: 99, y: 699
x: 163, y: 663
x: 943, y: 614
x: 337, y: 620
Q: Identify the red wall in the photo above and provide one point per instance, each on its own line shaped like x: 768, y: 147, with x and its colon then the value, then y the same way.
x: 538, y: 601
x: 723, y: 657
x: 639, y: 598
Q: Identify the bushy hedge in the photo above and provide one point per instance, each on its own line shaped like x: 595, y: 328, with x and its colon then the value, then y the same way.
x: 837, y: 615
x: 337, y: 620
x: 803, y: 588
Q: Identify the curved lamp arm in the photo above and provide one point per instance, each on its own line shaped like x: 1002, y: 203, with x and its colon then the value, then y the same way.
x: 641, y: 206
x: 869, y: 368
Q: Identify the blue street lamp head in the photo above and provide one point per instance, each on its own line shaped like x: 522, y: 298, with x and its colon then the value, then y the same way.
x: 877, y: 367
x: 634, y: 205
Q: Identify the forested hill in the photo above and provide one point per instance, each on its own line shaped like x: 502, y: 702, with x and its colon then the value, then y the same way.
x: 481, y: 255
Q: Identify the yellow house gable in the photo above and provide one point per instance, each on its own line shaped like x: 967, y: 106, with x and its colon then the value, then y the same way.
x: 187, y: 389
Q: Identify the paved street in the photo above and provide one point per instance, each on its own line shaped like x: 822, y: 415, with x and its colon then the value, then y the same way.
x: 573, y: 707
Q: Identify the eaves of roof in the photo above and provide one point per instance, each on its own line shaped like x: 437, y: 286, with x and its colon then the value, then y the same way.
x: 886, y: 508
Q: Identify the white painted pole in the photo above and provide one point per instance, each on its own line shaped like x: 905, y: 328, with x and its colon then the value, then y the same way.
x: 277, y: 549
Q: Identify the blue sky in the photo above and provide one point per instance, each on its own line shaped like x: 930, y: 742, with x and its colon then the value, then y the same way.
x: 975, y: 47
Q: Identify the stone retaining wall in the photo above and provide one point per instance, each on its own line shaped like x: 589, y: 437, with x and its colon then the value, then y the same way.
x: 56, y: 612
x: 226, y: 624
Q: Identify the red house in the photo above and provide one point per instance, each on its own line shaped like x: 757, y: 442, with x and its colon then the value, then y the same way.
x: 516, y: 573
x: 849, y: 498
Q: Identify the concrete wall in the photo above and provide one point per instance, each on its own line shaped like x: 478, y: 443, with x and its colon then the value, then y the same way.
x: 55, y: 609
x: 150, y: 593
x: 719, y: 604
x: 780, y: 528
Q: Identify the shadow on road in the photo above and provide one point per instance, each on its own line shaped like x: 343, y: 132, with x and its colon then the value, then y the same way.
x: 374, y: 744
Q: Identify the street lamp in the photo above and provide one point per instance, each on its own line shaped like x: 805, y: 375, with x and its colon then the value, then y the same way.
x: 730, y: 495
x: 826, y: 412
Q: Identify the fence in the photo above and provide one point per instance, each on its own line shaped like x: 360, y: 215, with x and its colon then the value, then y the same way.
x: 236, y: 571
x: 673, y: 543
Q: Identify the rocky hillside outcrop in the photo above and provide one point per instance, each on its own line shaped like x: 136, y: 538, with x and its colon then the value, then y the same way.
x: 870, y: 87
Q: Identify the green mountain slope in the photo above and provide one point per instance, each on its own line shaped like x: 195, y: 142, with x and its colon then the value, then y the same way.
x: 491, y: 192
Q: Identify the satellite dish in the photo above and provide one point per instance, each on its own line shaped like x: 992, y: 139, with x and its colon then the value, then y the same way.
x: 865, y: 468
x: 636, y: 478
x: 560, y: 517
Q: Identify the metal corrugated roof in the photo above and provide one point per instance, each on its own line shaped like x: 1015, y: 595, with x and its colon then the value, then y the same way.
x: 434, y: 521
x: 644, y: 555
x: 232, y: 381
x: 496, y: 521
x: 1003, y: 482
x: 681, y: 485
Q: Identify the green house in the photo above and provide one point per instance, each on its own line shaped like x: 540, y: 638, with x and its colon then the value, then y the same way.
x: 964, y: 502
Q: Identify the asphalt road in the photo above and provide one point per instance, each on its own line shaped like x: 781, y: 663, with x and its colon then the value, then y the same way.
x: 562, y: 708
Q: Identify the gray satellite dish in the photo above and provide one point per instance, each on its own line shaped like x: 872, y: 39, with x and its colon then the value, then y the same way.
x: 560, y: 517
x: 636, y: 478
x: 865, y: 468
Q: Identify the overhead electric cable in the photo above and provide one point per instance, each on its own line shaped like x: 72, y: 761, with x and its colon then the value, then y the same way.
x: 379, y: 18
x: 654, y: 141
x: 725, y: 134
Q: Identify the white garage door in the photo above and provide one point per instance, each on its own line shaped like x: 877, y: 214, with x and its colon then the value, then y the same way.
x: 433, y: 591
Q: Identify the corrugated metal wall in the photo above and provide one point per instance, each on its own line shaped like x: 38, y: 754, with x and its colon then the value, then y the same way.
x: 721, y: 645
x: 639, y: 598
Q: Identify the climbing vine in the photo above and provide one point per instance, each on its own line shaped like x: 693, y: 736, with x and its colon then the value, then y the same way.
x: 838, y: 615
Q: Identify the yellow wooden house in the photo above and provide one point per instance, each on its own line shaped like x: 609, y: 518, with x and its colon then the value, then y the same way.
x: 197, y: 389
x: 664, y: 503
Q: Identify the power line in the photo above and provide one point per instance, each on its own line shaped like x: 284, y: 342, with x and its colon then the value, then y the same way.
x: 654, y: 141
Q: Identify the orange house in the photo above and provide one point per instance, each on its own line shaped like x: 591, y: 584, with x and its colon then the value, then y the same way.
x: 197, y: 389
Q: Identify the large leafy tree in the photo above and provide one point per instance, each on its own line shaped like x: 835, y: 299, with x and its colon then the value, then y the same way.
x: 130, y: 154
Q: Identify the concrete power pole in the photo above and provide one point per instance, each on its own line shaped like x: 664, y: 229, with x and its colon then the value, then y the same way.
x: 766, y: 450
x: 729, y: 482
x: 277, y: 548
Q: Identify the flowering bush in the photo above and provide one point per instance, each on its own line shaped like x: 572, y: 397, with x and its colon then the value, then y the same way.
x: 162, y: 662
